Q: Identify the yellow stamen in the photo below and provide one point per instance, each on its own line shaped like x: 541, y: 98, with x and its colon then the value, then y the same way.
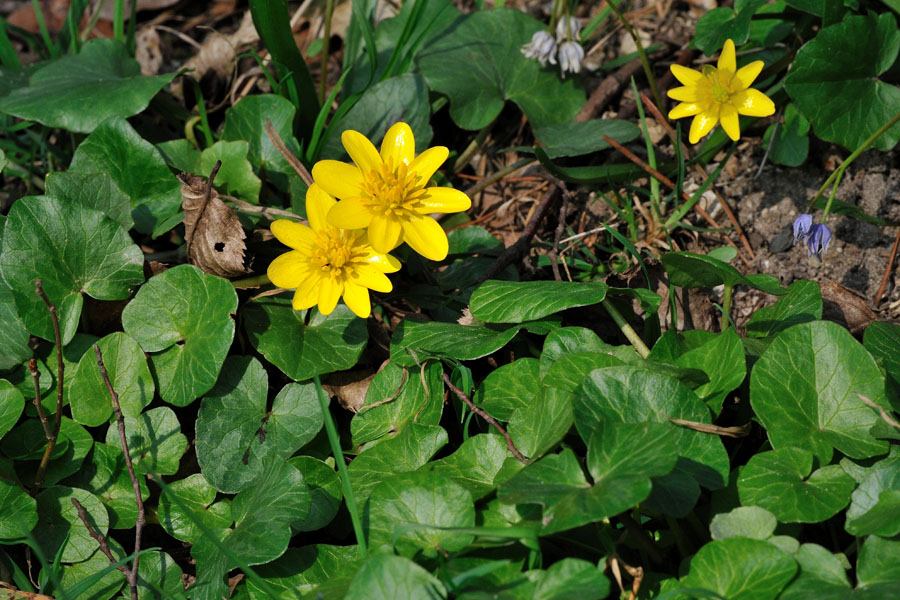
x: 392, y: 190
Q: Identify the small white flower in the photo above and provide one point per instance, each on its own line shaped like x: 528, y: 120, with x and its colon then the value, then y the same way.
x: 570, y: 56
x: 568, y: 28
x: 542, y: 47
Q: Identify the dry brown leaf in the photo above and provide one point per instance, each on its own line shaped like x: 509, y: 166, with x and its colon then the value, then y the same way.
x: 847, y: 306
x: 350, y: 387
x: 215, y: 238
x: 109, y: 8
x: 147, y: 51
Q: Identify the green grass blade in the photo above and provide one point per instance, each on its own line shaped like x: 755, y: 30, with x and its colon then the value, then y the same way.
x: 8, y: 56
x: 45, y: 33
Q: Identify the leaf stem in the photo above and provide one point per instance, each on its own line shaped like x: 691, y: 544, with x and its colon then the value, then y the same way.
x: 335, y: 442
x: 726, y: 306
x: 627, y: 330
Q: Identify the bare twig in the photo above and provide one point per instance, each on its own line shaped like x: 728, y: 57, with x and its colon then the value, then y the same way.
x: 36, y: 378
x: 130, y: 574
x: 735, y: 432
x: 520, y: 247
x: 491, y: 420
x: 497, y: 176
x: 887, y: 270
x: 886, y: 417
x: 104, y: 546
x: 60, y: 372
x: 288, y: 156
x: 269, y: 212
x: 560, y: 227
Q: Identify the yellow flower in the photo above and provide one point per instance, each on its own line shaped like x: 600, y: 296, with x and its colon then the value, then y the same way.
x: 719, y: 94
x: 386, y: 192
x: 327, y: 262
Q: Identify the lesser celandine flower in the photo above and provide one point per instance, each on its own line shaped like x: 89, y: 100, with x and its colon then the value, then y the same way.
x: 386, y: 192
x: 327, y: 262
x: 718, y: 95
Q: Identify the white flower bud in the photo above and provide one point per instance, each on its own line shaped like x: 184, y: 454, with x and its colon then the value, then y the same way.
x: 568, y: 28
x: 542, y: 47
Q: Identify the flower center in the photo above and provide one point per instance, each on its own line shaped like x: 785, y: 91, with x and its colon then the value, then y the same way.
x: 335, y: 252
x: 718, y: 87
x: 391, y: 190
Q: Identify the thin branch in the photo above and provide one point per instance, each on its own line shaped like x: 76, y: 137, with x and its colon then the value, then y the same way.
x: 60, y: 373
x: 287, y: 154
x: 104, y: 546
x: 36, y: 378
x: 269, y: 212
x: 491, y: 420
x: 520, y: 247
x: 887, y: 270
x: 498, y: 175
x: 560, y: 227
x: 886, y: 417
x: 735, y: 432
x: 130, y: 574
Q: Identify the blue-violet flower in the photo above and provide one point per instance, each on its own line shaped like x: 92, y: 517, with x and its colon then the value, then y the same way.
x: 802, y: 226
x: 570, y: 56
x: 819, y: 238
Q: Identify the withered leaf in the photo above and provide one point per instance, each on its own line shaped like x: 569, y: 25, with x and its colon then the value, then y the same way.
x: 845, y: 306
x: 215, y: 238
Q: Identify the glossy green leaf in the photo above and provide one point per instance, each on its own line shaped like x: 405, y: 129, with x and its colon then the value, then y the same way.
x: 723, y: 23
x: 882, y: 340
x: 740, y: 569
x: 300, y: 570
x: 155, y: 441
x: 415, y: 341
x: 235, y: 177
x: 18, y: 511
x: 396, y: 397
x: 879, y: 563
x: 105, y: 475
x: 790, y: 145
x: 621, y: 459
x: 689, y: 270
x: 475, y: 463
x: 74, y: 250
x: 517, y: 301
x: 478, y: 65
x: 324, y: 489
x: 805, y: 390
x: 801, y: 303
x: 403, y: 98
x: 117, y: 151
x: 821, y: 575
x: 568, y: 340
x: 539, y: 425
x: 57, y: 93
x: 634, y: 395
x: 102, y: 589
x: 11, y: 406
x: 744, y: 521
x: 407, y: 451
x: 246, y: 121
x: 71, y: 459
x: 836, y: 86
x: 128, y: 373
x: 572, y: 578
x: 94, y: 190
x: 58, y: 518
x: 183, y: 317
x: 509, y: 387
x: 388, y: 577
x: 409, y: 511
x: 574, y: 139
x: 783, y: 481
x: 568, y: 372
x: 299, y: 348
x: 195, y: 506
x: 159, y: 577
x: 237, y: 432
x: 875, y: 503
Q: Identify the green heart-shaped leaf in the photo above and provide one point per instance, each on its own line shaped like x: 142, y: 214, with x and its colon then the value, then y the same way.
x: 518, y: 301
x: 740, y: 568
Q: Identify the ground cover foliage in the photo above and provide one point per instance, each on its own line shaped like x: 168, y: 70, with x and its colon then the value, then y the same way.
x: 511, y: 421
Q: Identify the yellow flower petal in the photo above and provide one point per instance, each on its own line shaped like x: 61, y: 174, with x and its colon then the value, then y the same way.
x: 357, y: 299
x: 443, y: 200
x: 398, y: 145
x: 350, y: 214
x: 425, y: 236
x: 307, y: 294
x: 371, y: 278
x: 385, y: 233
x: 329, y: 293
x: 383, y: 262
x: 293, y: 234
x: 727, y: 59
x: 747, y: 74
x: 318, y: 203
x: 338, y: 178
x: 425, y: 164
x: 361, y: 150
x: 683, y: 94
x: 728, y: 116
x: 753, y: 103
x: 684, y: 110
x: 701, y: 125
x: 685, y: 75
x: 288, y: 270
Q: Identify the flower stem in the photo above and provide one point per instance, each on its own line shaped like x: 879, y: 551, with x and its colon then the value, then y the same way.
x: 335, y: 442
x: 835, y: 178
x: 627, y: 330
x: 251, y: 282
x: 726, y: 306
x: 641, y: 52
x: 326, y: 37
